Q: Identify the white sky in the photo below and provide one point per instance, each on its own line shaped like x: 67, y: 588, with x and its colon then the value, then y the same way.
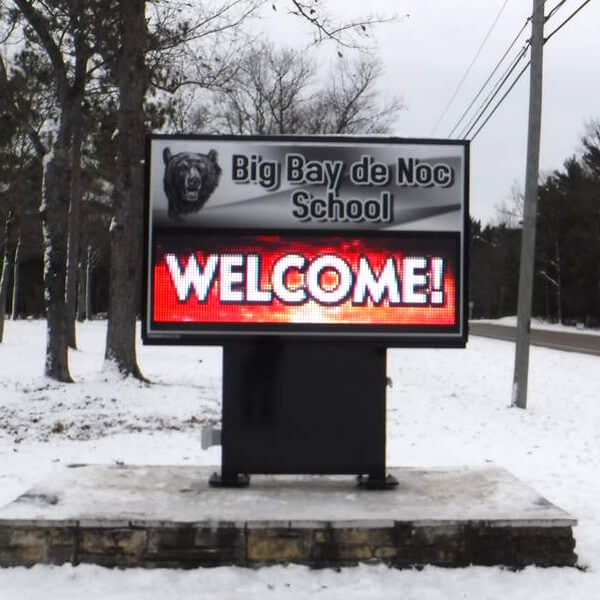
x: 426, y: 55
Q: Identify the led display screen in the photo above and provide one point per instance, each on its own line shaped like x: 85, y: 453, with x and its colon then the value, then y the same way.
x: 311, y: 237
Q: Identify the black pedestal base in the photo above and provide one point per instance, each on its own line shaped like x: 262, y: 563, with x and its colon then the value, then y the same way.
x: 239, y: 480
x: 302, y: 407
x: 389, y: 482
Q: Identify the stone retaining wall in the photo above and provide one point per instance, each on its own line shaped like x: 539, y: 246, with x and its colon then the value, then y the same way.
x: 318, y: 544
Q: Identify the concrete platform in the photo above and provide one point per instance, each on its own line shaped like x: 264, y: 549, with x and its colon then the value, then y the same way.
x: 170, y: 517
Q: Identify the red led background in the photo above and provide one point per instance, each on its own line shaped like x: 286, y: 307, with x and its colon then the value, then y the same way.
x: 167, y: 308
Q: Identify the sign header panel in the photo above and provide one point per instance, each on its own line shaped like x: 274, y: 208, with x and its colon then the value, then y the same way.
x: 339, y: 237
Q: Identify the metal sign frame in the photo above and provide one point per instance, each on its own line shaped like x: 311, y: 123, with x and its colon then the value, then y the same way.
x: 443, y: 225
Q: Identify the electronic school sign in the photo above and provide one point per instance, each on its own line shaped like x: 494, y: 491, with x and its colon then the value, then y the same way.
x: 339, y: 237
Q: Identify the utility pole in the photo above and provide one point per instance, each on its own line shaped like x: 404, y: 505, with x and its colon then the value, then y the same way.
x: 519, y: 395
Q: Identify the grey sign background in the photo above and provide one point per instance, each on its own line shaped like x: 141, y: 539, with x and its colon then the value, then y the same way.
x: 249, y: 205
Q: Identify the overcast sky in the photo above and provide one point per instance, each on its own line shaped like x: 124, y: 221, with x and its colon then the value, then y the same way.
x: 427, y: 54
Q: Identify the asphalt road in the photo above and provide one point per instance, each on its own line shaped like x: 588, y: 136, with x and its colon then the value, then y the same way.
x: 558, y: 340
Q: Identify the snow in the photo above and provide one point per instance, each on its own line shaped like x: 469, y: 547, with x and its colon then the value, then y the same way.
x: 446, y: 408
x: 366, y: 582
x: 511, y: 321
x: 151, y: 496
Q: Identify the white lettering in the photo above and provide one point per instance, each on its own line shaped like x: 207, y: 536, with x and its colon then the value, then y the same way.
x: 230, y: 278
x: 412, y: 280
x: 377, y: 288
x: 253, y: 292
x: 192, y: 277
x: 344, y: 274
x: 280, y: 269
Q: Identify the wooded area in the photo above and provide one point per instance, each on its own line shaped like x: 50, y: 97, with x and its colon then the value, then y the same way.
x: 567, y: 261
x: 82, y: 82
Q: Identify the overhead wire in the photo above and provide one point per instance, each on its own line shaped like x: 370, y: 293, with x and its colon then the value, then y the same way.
x: 554, y: 10
x: 501, y: 81
x: 554, y: 31
x: 489, y: 78
x: 468, y: 70
x: 482, y: 110
x: 494, y: 91
x: 508, y: 91
x: 474, y: 119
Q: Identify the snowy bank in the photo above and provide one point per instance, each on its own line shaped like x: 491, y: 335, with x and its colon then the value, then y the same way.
x: 446, y: 407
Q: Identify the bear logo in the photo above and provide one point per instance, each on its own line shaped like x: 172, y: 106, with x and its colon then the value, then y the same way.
x: 189, y: 180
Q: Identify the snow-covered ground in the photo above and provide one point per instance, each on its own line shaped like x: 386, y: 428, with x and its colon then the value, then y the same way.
x: 446, y: 407
x: 541, y: 324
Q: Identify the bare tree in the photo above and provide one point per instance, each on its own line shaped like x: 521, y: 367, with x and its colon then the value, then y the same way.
x: 54, y: 29
x: 139, y: 62
x: 277, y: 91
x: 555, y: 282
x: 510, y: 212
x: 131, y: 48
x: 16, y: 281
x: 126, y: 246
x: 267, y: 94
x: 353, y: 32
x: 7, y: 266
x: 86, y: 269
x: 75, y: 192
x: 351, y: 102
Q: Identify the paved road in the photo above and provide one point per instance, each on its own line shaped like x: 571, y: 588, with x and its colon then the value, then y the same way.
x: 559, y: 340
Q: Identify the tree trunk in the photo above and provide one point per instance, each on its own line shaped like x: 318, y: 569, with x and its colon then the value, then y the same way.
x: 547, y: 301
x: 74, y: 222
x: 76, y: 10
x: 56, y: 184
x: 81, y: 288
x: 54, y: 211
x: 7, y: 267
x: 558, y: 283
x: 16, y: 281
x: 89, y: 264
x: 126, y: 227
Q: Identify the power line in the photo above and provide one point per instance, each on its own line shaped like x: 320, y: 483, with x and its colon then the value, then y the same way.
x: 563, y: 23
x: 555, y: 10
x: 495, y: 69
x: 508, y: 91
x: 479, y: 114
x: 460, y: 84
x: 494, y: 92
x: 566, y: 20
x: 489, y: 78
